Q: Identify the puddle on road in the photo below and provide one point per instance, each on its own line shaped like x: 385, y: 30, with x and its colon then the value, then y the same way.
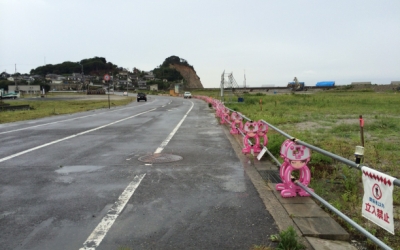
x: 79, y: 168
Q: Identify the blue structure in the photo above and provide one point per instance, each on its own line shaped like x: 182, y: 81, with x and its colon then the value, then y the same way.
x: 292, y: 85
x: 325, y: 84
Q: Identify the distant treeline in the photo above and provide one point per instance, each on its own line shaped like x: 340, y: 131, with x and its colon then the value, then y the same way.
x: 91, y: 66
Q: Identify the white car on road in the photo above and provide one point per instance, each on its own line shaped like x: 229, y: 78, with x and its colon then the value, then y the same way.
x: 187, y: 95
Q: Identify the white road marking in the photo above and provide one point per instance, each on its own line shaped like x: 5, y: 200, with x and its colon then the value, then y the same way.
x: 108, y: 220
x: 166, y: 141
x: 71, y: 136
x: 71, y: 119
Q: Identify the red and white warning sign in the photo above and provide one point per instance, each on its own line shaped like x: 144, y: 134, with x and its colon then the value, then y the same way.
x: 378, y: 198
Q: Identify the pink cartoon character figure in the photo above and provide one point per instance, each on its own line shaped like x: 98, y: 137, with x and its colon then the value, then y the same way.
x: 283, y: 152
x: 225, y: 117
x: 262, y: 134
x: 251, y: 130
x: 297, y: 157
x: 236, y: 124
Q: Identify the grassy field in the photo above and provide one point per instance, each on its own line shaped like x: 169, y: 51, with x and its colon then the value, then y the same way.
x: 330, y: 120
x: 66, y: 104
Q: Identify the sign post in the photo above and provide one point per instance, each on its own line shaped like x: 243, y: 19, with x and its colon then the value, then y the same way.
x: 107, y: 79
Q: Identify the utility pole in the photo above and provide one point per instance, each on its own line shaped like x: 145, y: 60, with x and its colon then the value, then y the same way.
x: 83, y: 78
x: 15, y: 78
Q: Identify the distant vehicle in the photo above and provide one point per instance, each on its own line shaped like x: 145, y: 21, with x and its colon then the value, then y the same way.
x: 141, y: 96
x: 187, y: 95
x: 296, y: 85
x: 10, y: 95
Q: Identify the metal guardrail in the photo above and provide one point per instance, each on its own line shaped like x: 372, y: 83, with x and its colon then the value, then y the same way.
x: 324, y: 152
x: 325, y: 203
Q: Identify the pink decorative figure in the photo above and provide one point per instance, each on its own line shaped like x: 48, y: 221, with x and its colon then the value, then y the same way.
x: 225, y: 116
x: 250, y: 128
x: 218, y: 109
x: 284, y: 147
x: 262, y: 133
x: 237, y: 123
x: 296, y: 157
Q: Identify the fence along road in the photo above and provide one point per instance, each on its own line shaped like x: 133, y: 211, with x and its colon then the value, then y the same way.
x: 65, y: 179
x: 298, y: 183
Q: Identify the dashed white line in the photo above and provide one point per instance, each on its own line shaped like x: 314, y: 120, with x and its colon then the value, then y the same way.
x: 166, y: 141
x: 108, y: 220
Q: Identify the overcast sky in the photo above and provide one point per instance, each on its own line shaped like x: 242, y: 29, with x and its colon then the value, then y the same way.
x: 270, y: 41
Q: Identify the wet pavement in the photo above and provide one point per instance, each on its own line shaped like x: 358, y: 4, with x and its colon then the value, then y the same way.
x: 64, y: 176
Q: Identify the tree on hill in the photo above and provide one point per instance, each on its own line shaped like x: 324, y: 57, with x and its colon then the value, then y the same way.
x: 92, y: 66
x: 175, y: 60
x: 165, y: 72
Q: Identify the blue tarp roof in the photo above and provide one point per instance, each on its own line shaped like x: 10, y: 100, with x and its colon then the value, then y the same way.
x: 325, y: 84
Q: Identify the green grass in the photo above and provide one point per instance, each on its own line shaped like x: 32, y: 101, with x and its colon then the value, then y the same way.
x: 330, y: 120
x: 288, y: 240
x: 43, y: 108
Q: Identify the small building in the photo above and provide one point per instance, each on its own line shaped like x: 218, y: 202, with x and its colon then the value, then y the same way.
x: 142, y: 84
x: 153, y: 87
x: 361, y: 83
x: 395, y: 83
x: 31, y: 89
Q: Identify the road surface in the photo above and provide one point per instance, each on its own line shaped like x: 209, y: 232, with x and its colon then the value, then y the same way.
x: 151, y: 175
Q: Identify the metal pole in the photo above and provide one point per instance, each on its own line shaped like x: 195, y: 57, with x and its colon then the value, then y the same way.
x: 344, y: 217
x: 362, y: 130
x: 108, y: 94
x: 83, y: 78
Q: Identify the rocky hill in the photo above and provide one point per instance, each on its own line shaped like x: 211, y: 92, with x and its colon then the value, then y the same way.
x: 189, y: 74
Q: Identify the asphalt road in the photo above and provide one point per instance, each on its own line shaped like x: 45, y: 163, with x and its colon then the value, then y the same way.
x: 151, y: 175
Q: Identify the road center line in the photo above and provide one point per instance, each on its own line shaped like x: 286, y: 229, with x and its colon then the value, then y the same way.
x: 169, y: 137
x: 108, y: 220
x: 98, y: 234
x: 71, y: 136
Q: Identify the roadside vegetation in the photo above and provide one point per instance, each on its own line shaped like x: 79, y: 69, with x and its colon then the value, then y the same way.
x: 330, y: 120
x: 43, y: 107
